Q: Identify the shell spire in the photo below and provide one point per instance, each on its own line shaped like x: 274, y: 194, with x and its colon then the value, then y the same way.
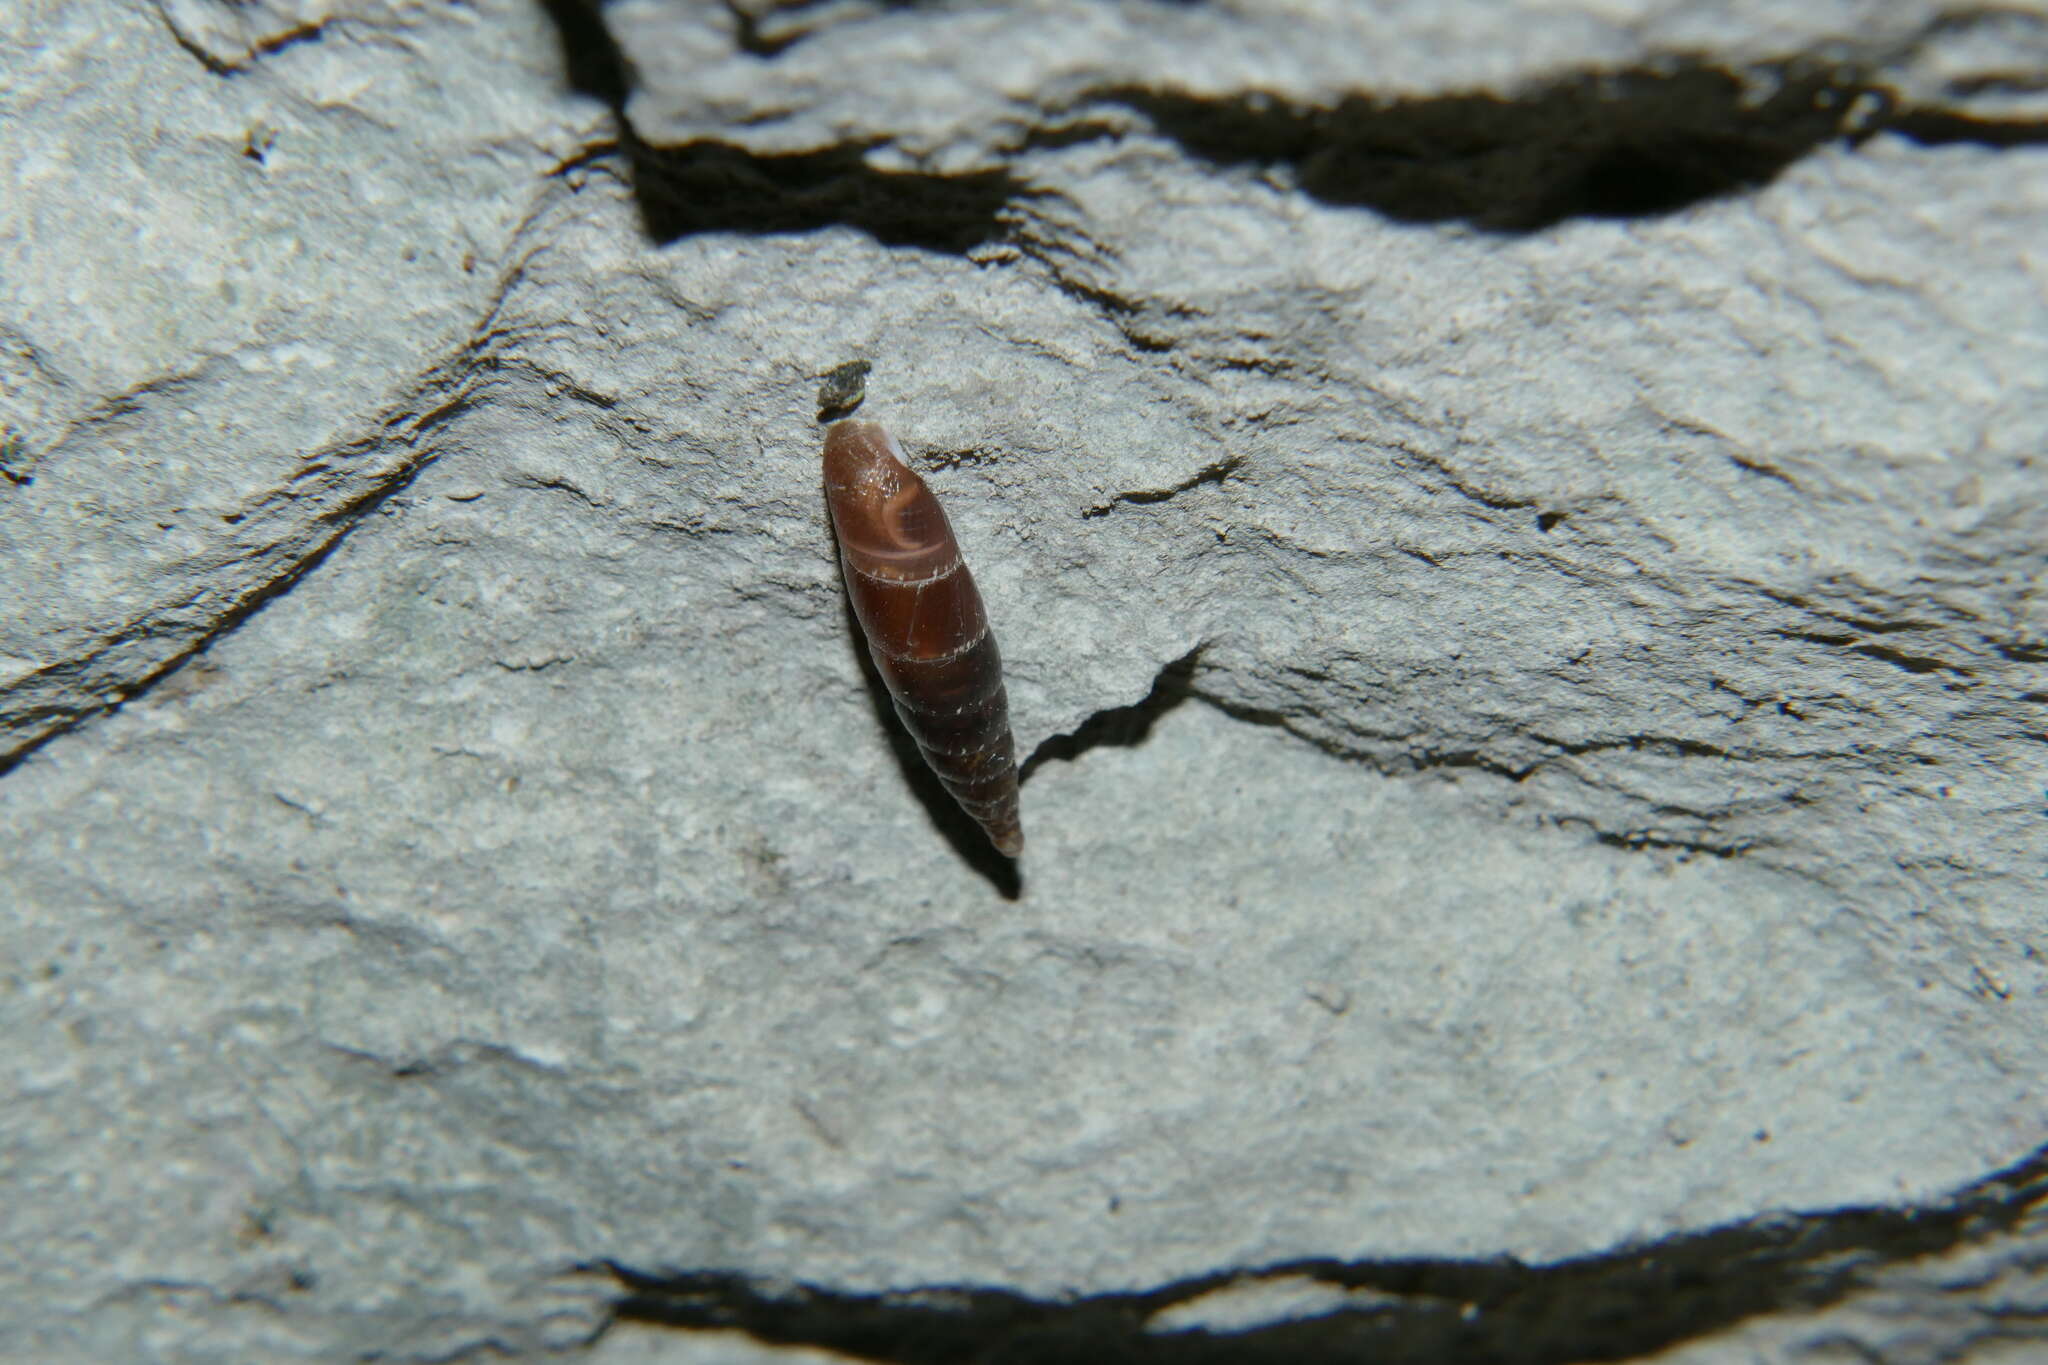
x: 924, y: 622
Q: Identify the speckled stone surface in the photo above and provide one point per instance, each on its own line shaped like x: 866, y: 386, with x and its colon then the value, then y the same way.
x: 1517, y: 544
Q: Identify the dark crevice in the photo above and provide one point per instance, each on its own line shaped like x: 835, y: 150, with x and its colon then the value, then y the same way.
x: 261, y: 48
x: 712, y: 186
x: 292, y: 37
x: 1103, y: 300
x: 1120, y: 727
x: 1912, y: 663
x: 1938, y: 128
x: 1591, y: 144
x: 1897, y: 658
x: 1599, y: 143
x: 1614, y: 1306
x: 555, y: 485
x: 716, y: 187
x: 16, y: 463
x: 1602, y: 144
x: 772, y: 28
x: 1639, y: 840
x: 1214, y: 473
x: 558, y: 383
x: 591, y: 58
x: 1055, y: 133
x: 1671, y: 745
x: 196, y: 50
x: 1129, y: 726
x: 1266, y: 718
x: 1868, y: 625
x: 1763, y: 470
x: 1474, y: 759
x: 749, y: 35
x: 1445, y: 476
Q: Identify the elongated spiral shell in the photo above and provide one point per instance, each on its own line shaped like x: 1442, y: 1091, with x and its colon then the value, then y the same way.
x: 924, y: 622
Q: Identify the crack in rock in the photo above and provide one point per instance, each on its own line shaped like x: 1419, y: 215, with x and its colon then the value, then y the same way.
x: 1638, y: 825
x: 62, y: 694
x: 1616, y: 1305
x: 718, y: 187
x: 1214, y: 473
x: 1599, y: 144
x: 281, y: 535
x: 1648, y: 140
x: 1120, y: 727
x: 230, y: 39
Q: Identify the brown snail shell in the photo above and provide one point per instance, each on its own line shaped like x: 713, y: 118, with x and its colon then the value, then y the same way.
x: 924, y: 622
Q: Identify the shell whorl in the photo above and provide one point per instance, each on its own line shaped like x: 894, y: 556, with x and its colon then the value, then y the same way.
x: 924, y: 621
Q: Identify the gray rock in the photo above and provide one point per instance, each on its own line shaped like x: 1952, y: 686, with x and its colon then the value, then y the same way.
x: 1517, y: 548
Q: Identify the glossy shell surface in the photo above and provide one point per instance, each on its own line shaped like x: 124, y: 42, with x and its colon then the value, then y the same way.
x: 925, y: 625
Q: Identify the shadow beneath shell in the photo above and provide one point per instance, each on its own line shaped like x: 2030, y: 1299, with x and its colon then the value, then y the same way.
x: 959, y: 828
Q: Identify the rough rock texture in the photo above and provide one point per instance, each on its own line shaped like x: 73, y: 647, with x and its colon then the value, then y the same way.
x: 1517, y: 535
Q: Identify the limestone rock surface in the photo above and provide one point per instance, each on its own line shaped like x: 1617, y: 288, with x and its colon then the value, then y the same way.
x: 1517, y: 534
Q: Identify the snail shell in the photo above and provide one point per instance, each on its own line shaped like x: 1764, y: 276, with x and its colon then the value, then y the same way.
x: 924, y: 622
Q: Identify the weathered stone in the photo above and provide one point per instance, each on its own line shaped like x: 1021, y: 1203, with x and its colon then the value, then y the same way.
x: 1517, y: 547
